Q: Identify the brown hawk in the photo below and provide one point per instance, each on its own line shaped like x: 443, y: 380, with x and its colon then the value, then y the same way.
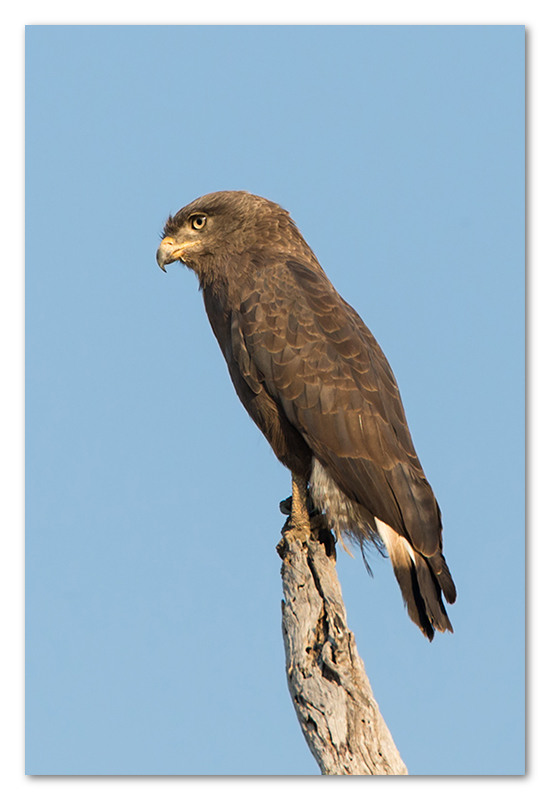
x: 315, y: 381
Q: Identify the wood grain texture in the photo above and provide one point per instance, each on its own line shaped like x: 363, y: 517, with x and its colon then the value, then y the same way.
x: 331, y: 693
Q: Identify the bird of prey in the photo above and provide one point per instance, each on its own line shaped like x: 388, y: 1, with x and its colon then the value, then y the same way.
x: 315, y: 381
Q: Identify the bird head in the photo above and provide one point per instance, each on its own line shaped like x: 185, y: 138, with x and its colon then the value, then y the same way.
x: 218, y: 227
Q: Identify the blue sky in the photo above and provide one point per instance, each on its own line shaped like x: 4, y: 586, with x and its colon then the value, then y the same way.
x: 153, y: 587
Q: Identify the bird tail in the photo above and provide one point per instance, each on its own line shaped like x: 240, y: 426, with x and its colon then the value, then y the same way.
x: 422, y: 579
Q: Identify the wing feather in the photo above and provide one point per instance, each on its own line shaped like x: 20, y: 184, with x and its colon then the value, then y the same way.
x: 320, y: 362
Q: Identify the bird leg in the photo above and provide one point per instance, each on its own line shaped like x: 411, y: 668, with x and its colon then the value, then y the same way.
x: 304, y: 520
x: 297, y: 525
x: 285, y: 506
x: 299, y: 517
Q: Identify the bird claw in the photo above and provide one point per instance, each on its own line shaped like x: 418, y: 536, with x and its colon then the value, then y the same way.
x: 320, y: 530
x: 285, y: 506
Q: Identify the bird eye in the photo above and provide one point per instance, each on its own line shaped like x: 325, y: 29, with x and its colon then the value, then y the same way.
x: 198, y: 222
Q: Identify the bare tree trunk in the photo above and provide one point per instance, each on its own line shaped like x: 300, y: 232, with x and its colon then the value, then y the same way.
x: 331, y: 693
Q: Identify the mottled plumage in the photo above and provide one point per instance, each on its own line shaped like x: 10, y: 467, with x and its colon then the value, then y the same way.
x: 315, y: 381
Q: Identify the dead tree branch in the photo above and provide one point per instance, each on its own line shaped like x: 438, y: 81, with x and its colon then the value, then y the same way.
x: 331, y: 693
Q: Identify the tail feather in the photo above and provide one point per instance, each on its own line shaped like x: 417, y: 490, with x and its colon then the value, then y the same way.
x: 421, y: 579
x: 439, y: 567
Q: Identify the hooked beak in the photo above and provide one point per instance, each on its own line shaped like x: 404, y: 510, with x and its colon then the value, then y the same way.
x: 169, y: 250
